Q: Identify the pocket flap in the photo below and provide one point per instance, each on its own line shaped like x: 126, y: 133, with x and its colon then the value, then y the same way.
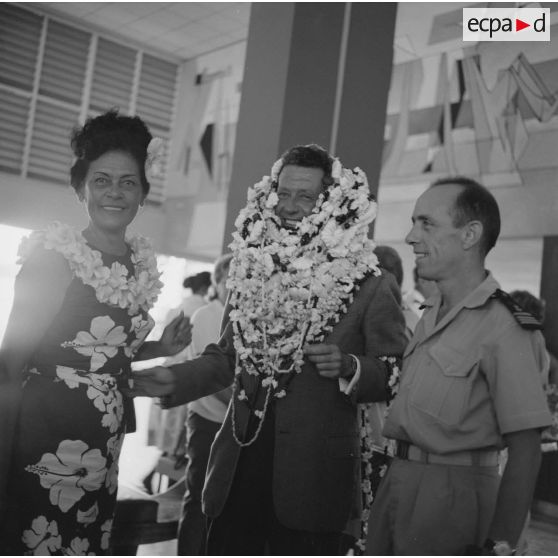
x: 451, y: 361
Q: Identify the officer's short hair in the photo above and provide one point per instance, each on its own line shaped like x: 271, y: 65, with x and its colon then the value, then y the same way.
x: 475, y: 203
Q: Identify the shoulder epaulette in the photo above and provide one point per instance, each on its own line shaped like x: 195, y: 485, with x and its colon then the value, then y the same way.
x: 525, y: 319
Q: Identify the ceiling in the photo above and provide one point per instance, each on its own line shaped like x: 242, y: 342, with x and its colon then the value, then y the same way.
x: 184, y: 30
x: 181, y: 29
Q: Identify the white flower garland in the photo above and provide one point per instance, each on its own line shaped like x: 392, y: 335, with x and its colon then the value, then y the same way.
x: 112, y: 285
x: 290, y: 287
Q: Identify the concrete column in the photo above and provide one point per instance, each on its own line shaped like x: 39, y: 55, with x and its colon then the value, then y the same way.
x: 315, y: 72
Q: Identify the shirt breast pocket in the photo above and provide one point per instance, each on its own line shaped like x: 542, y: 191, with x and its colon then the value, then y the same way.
x: 443, y: 386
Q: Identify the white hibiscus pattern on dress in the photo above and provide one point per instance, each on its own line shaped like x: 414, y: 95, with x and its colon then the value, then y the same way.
x: 106, y: 528
x: 43, y: 538
x: 101, y: 342
x: 140, y: 330
x: 70, y: 472
x: 114, y: 445
x: 107, y: 399
x: 78, y: 547
x: 102, y: 392
x: 70, y: 376
x: 114, y: 413
x: 88, y: 516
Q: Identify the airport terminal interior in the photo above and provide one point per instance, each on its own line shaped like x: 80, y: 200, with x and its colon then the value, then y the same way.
x: 228, y: 86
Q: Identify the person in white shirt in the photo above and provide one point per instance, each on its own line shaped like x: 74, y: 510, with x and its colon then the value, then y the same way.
x: 169, y: 424
x: 205, y: 417
x: 390, y: 260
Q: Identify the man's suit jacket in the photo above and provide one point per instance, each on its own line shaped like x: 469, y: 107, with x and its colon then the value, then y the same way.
x: 317, y: 449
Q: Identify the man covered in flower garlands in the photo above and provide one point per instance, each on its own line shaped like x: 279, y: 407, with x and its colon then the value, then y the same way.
x: 312, y: 329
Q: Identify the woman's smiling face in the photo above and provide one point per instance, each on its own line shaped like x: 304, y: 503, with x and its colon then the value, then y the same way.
x: 112, y: 191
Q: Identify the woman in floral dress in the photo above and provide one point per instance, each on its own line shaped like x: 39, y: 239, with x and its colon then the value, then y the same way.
x: 79, y: 319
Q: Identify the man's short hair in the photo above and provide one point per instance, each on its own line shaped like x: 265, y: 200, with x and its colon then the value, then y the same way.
x: 475, y: 203
x: 390, y: 260
x: 310, y: 156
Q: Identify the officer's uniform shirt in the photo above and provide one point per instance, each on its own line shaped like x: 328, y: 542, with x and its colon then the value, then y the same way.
x: 470, y: 378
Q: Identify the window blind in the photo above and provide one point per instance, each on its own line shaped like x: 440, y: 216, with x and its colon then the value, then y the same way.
x: 155, y: 104
x: 49, y: 114
x: 64, y: 62
x: 50, y: 157
x: 20, y: 34
x: 156, y: 93
x: 14, y: 110
x: 113, y: 76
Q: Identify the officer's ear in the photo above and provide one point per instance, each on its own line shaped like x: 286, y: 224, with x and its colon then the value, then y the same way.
x: 471, y: 234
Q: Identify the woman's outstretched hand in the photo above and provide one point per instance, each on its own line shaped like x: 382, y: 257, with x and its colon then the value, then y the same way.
x: 176, y: 336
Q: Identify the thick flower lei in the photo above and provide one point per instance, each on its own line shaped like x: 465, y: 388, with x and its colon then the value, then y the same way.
x: 112, y: 285
x: 290, y: 287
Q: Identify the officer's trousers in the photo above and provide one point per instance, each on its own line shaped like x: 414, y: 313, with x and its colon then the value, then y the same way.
x: 427, y: 509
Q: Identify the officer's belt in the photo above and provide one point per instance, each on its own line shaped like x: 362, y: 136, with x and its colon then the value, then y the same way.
x: 479, y: 458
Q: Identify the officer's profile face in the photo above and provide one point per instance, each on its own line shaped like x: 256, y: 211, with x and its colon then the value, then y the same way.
x: 436, y: 241
x: 298, y: 189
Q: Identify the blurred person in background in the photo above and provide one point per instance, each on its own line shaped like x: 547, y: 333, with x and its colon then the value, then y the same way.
x: 167, y: 427
x: 381, y: 449
x: 537, y: 308
x: 205, y: 417
x: 199, y: 285
x: 391, y: 261
x: 549, y: 437
x: 422, y: 290
x: 79, y: 317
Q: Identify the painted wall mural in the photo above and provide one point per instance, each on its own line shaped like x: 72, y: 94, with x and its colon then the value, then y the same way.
x: 202, y: 152
x: 485, y: 110
x: 488, y: 110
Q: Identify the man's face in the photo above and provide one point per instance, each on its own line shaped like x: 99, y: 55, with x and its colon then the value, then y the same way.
x: 436, y: 242
x: 298, y: 190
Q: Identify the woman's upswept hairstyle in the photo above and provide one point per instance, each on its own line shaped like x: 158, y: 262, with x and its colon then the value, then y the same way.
x: 199, y: 282
x: 109, y: 132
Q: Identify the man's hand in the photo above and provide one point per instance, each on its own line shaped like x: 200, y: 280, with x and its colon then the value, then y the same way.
x: 330, y: 361
x: 152, y: 382
x: 176, y: 336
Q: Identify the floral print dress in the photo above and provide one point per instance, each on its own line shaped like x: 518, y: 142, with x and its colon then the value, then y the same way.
x: 73, y: 415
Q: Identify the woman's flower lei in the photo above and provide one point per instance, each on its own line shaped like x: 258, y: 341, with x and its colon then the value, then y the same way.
x: 112, y: 285
x: 290, y: 287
